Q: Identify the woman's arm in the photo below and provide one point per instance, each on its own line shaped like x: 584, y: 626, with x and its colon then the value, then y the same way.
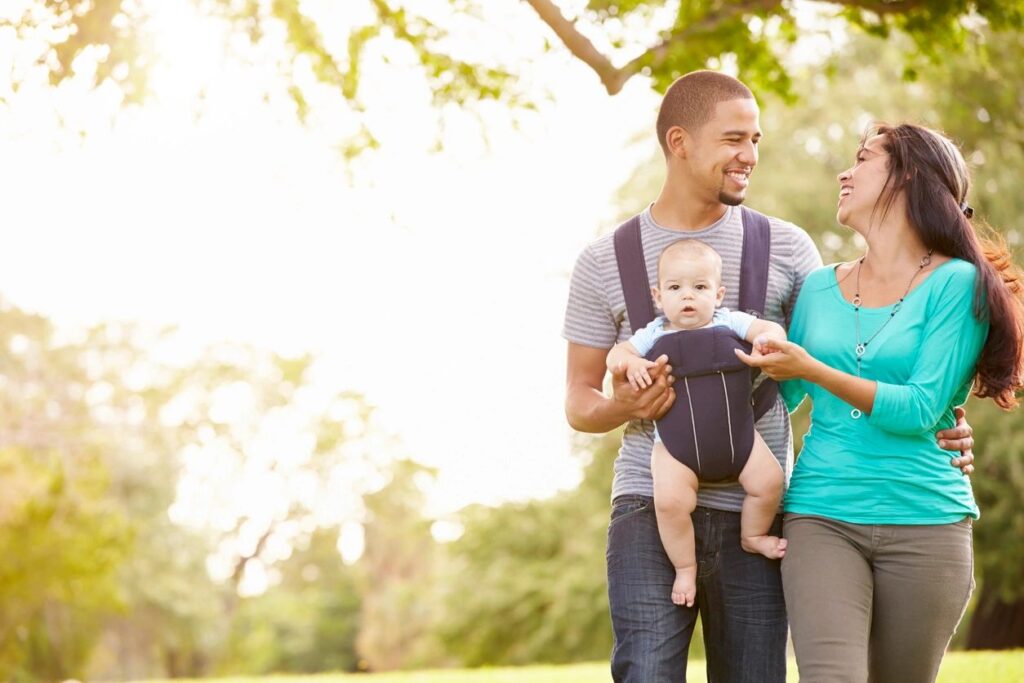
x: 788, y: 361
x: 953, y: 339
x: 794, y: 391
x: 857, y: 391
x: 951, y: 344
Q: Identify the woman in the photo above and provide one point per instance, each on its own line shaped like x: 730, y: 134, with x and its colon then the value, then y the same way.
x: 879, y: 566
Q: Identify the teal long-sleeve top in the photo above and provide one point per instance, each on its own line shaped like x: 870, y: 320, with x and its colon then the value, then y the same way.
x: 886, y: 467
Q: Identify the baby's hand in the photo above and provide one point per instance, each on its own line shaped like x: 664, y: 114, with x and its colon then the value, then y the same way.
x: 636, y: 373
x: 761, y: 346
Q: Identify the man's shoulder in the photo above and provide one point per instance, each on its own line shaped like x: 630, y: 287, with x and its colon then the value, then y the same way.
x: 786, y: 231
x: 596, y: 255
x: 603, y: 244
x: 792, y: 248
x: 600, y: 251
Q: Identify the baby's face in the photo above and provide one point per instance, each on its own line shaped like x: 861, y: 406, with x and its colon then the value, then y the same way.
x: 689, y: 290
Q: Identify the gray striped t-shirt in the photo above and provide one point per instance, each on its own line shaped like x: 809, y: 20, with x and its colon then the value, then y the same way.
x: 595, y: 316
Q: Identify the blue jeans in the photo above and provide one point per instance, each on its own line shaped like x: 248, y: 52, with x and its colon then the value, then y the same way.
x: 739, y: 596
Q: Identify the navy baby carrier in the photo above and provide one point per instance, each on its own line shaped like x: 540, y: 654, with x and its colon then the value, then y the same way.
x: 710, y: 427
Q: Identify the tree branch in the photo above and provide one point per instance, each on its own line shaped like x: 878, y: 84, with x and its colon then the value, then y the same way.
x: 656, y: 56
x: 579, y: 45
x: 612, y: 77
x: 236, y: 575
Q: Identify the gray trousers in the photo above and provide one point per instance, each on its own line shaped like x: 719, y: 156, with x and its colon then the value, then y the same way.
x: 874, y: 603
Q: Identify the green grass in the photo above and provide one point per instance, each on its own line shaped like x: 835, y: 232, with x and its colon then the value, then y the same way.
x: 957, y: 667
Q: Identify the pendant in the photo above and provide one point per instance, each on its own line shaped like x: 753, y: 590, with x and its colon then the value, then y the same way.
x: 855, y: 414
x: 861, y: 348
x: 856, y: 300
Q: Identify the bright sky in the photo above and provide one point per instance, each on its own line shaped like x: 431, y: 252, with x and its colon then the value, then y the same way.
x: 432, y: 282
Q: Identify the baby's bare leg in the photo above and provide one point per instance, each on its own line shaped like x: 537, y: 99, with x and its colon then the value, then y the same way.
x: 761, y: 479
x: 675, y: 497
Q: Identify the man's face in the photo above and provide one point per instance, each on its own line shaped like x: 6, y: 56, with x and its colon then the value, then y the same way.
x: 722, y: 154
x: 688, y: 290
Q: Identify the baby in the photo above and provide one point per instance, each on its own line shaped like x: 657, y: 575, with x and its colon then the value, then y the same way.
x: 689, y: 295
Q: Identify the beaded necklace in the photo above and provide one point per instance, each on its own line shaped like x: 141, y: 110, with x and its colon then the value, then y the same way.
x: 862, y: 346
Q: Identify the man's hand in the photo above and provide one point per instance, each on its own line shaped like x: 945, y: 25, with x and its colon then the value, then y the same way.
x: 651, y: 402
x: 959, y: 438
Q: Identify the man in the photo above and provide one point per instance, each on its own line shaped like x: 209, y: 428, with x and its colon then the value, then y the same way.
x: 709, y: 130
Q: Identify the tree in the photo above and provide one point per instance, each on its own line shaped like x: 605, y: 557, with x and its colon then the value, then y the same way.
x: 997, y: 621
x: 617, y: 39
x: 537, y: 574
x: 89, y: 470
x: 107, y: 575
x: 397, y: 567
x: 63, y: 536
x: 306, y: 623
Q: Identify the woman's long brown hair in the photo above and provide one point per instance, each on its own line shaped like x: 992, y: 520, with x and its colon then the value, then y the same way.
x: 929, y: 169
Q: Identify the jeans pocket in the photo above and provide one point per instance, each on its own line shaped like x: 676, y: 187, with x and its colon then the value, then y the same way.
x: 623, y: 508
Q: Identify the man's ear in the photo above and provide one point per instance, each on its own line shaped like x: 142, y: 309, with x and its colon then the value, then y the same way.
x: 656, y: 295
x: 677, y: 140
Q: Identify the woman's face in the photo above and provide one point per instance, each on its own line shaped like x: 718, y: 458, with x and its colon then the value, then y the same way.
x: 860, y: 186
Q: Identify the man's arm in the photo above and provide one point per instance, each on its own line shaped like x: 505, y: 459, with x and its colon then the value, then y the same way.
x: 959, y: 438
x: 589, y: 410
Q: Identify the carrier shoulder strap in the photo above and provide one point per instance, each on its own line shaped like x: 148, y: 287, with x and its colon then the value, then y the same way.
x: 757, y: 240
x: 636, y: 288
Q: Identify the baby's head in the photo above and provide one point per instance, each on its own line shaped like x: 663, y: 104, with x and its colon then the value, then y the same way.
x: 689, y: 284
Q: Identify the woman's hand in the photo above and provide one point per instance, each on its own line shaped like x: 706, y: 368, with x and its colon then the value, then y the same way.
x: 779, y: 359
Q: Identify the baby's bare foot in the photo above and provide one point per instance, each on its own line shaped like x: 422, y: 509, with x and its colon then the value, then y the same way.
x: 771, y: 547
x: 684, y: 590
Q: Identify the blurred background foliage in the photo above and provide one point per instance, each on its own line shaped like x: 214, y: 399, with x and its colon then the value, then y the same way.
x: 109, y: 573
x: 106, y: 42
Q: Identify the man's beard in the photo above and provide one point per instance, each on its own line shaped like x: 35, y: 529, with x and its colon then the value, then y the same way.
x: 730, y: 199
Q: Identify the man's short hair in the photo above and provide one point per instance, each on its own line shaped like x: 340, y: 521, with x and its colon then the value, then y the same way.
x: 691, y: 248
x: 691, y: 100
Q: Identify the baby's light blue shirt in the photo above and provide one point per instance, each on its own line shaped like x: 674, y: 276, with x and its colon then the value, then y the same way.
x: 739, y: 322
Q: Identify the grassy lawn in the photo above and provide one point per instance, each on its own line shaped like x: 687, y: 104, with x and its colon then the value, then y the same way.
x: 957, y: 667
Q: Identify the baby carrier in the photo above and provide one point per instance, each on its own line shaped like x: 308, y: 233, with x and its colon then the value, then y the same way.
x: 710, y: 427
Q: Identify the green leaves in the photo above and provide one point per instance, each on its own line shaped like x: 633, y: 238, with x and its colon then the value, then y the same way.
x: 114, y: 25
x: 620, y: 8
x: 537, y: 575
x: 751, y: 36
x: 305, y: 39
